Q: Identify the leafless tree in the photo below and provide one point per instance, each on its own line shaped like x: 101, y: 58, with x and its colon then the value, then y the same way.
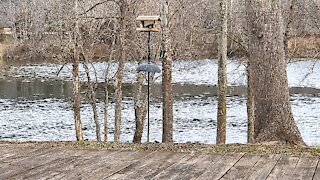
x: 75, y: 73
x: 119, y: 75
x: 273, y: 116
x: 222, y: 74
x: 167, y: 135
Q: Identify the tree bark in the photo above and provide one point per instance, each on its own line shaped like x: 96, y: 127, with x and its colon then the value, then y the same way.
x: 93, y: 102
x: 137, y: 112
x: 76, y: 81
x: 273, y: 116
x: 140, y: 110
x: 106, y: 113
x: 119, y: 75
x: 106, y: 91
x: 167, y: 135
x: 106, y: 99
x: 76, y: 102
x: 250, y: 105
x: 118, y: 103
x: 222, y: 74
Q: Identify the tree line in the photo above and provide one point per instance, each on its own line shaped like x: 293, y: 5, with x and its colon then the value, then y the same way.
x: 195, y: 27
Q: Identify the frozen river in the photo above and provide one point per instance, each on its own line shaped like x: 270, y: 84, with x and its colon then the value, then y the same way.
x: 35, y: 102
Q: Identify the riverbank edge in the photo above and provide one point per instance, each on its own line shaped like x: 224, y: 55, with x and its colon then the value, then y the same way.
x: 176, y: 147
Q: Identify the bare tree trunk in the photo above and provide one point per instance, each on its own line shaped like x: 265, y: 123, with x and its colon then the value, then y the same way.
x: 106, y: 100
x: 138, y: 116
x: 76, y: 102
x: 140, y: 110
x: 250, y: 104
x: 106, y: 113
x: 106, y: 92
x: 92, y: 98
x: 273, y: 116
x: 222, y: 74
x: 118, y: 107
x: 167, y: 135
x: 119, y: 74
x: 76, y: 81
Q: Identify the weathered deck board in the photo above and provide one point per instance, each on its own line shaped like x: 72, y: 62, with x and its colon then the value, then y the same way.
x: 284, y: 168
x: 113, y: 166
x: 242, y: 167
x: 263, y: 167
x: 112, y: 170
x: 49, y: 165
x: 317, y: 172
x: 305, y: 168
x: 84, y: 162
x: 99, y: 162
x: 161, y: 166
x: 149, y: 166
x: 218, y: 170
x: 200, y: 167
x: 178, y: 168
x: 20, y: 162
x: 7, y: 152
x: 24, y: 163
x: 12, y: 152
x: 61, y: 164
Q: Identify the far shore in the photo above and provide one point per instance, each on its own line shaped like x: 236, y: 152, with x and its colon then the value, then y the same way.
x: 15, y: 62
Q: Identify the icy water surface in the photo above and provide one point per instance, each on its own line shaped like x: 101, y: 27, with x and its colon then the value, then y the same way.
x: 35, y: 103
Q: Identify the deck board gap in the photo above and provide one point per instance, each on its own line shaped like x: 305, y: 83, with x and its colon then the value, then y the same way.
x: 317, y: 167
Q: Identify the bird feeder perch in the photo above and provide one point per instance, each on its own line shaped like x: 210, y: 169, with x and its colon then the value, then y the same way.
x: 148, y: 23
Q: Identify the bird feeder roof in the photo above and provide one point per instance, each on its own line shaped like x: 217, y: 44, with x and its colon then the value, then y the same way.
x: 148, y: 18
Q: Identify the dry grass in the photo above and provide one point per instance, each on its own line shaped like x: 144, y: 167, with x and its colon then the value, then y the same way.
x: 188, y: 147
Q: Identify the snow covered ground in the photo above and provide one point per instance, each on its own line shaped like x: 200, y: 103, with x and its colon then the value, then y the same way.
x: 194, y: 119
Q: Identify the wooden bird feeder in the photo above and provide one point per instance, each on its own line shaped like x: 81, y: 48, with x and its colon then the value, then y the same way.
x: 148, y: 23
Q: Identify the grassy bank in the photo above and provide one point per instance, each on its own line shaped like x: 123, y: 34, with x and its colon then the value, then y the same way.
x: 188, y: 147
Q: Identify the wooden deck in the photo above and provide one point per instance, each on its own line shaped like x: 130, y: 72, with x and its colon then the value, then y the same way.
x: 20, y: 162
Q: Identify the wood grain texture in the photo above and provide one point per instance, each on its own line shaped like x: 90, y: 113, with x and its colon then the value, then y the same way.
x: 316, y: 174
x: 200, y: 167
x: 20, y: 162
x: 180, y: 167
x: 218, y: 170
x: 158, y: 164
x: 284, y: 168
x: 105, y: 166
x: 263, y: 167
x: 305, y: 168
x: 242, y: 167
